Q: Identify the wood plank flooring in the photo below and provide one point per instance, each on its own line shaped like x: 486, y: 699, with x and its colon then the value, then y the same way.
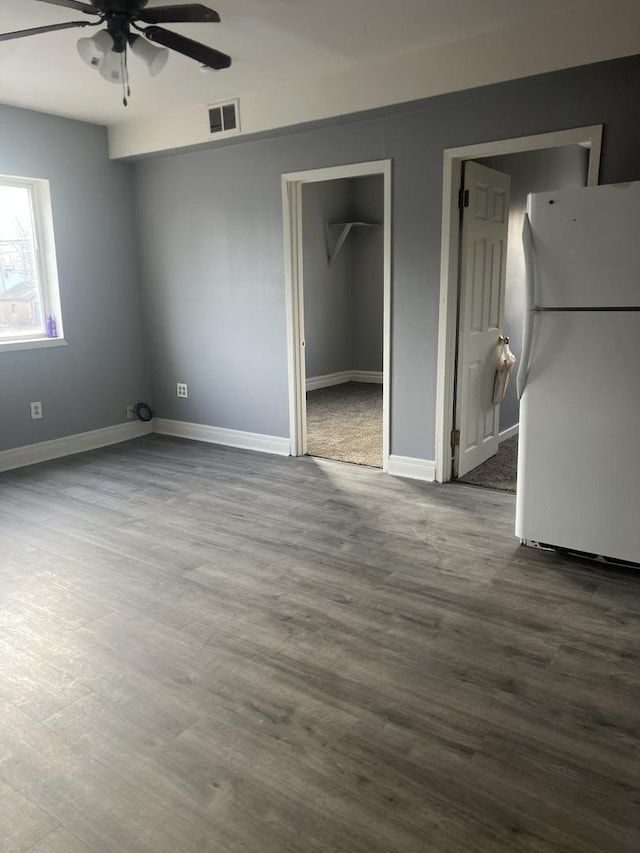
x: 207, y: 649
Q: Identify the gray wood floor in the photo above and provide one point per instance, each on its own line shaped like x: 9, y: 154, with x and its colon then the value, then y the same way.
x: 205, y: 649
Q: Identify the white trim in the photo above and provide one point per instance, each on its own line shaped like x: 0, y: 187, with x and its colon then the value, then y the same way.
x: 44, y: 451
x: 35, y: 343
x: 326, y: 381
x: 590, y: 137
x: 332, y: 173
x: 375, y: 377
x: 386, y: 322
x: 508, y: 433
x: 412, y: 468
x: 371, y: 376
x: 292, y: 232
x: 291, y: 202
x: 44, y: 252
x: 228, y: 437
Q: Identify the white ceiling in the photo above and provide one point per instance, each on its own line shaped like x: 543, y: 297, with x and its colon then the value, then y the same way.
x: 272, y: 42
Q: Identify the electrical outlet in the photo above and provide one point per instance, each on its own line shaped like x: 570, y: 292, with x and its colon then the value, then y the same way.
x: 36, y: 411
x: 181, y: 389
x: 129, y: 412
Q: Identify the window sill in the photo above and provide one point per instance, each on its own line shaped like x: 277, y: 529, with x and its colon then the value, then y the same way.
x: 34, y: 343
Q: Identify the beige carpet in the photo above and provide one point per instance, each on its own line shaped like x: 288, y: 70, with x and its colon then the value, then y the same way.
x: 500, y: 472
x: 344, y: 422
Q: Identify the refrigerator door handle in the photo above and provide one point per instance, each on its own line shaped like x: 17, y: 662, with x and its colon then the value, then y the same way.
x: 530, y: 307
x: 527, y: 336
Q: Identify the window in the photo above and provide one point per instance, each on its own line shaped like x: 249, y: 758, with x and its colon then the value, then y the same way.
x: 29, y: 299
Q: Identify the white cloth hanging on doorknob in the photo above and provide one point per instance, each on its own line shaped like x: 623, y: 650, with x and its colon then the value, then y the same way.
x: 504, y: 369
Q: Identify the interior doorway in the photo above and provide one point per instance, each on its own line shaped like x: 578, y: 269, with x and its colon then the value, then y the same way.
x: 337, y: 268
x: 342, y: 282
x: 494, y: 454
x: 532, y: 161
x: 484, y: 223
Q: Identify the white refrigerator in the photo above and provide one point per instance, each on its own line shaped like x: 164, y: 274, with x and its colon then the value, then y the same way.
x: 579, y: 376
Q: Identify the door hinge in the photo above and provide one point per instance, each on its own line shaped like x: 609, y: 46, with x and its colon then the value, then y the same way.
x: 455, y: 438
x: 463, y: 198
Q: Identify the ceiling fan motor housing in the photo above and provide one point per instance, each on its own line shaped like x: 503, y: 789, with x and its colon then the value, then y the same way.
x: 118, y: 28
x: 119, y: 7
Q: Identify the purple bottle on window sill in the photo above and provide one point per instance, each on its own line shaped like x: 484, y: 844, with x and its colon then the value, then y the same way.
x: 50, y: 326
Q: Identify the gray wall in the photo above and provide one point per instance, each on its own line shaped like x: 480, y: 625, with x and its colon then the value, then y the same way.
x: 87, y: 384
x: 327, y: 288
x: 367, y: 269
x: 531, y: 172
x: 211, y: 241
x: 343, y: 302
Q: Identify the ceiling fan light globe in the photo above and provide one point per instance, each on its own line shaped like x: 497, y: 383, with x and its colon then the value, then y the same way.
x: 155, y: 58
x: 92, y: 50
x: 110, y: 68
x: 160, y: 60
x: 104, y: 40
x: 88, y: 53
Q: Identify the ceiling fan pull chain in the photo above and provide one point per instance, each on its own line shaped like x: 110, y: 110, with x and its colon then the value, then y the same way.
x: 126, y: 71
x: 126, y: 91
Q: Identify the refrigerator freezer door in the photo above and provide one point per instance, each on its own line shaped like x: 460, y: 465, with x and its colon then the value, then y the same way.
x: 578, y: 465
x: 587, y: 246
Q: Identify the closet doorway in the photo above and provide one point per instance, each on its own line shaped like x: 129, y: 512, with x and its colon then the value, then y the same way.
x: 337, y: 263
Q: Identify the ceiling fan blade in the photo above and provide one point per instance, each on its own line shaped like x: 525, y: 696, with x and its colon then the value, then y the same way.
x: 193, y: 49
x: 72, y: 4
x: 36, y: 30
x: 189, y: 13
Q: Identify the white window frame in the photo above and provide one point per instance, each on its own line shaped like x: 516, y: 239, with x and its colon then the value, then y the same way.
x: 46, y: 264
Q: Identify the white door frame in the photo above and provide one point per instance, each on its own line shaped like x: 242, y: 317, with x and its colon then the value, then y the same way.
x: 292, y: 183
x: 589, y: 137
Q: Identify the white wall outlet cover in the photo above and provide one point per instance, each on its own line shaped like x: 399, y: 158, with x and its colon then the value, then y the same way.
x: 36, y: 411
x: 181, y: 389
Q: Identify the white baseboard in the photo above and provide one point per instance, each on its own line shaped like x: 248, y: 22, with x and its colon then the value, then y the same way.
x: 329, y: 379
x: 44, y: 451
x: 228, y: 437
x: 508, y: 433
x: 373, y: 376
x: 315, y: 382
x: 414, y: 469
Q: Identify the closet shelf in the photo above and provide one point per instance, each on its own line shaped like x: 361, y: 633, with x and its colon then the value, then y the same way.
x: 345, y: 227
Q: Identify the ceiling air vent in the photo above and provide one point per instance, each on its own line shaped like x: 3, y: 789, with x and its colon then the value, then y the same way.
x: 223, y: 119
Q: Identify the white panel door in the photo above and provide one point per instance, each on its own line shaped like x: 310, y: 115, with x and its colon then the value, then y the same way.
x: 483, y: 258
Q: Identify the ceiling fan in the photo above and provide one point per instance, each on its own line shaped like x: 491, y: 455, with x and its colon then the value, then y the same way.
x: 106, y: 51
